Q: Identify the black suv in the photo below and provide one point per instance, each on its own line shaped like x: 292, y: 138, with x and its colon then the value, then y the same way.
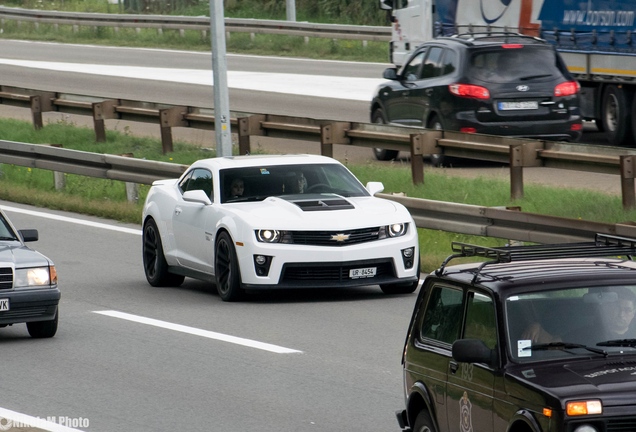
x: 532, y: 339
x: 494, y: 84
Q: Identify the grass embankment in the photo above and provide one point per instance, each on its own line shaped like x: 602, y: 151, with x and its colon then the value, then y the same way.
x: 107, y: 198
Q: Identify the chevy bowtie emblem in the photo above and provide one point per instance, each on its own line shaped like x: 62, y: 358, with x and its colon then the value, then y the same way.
x: 340, y: 237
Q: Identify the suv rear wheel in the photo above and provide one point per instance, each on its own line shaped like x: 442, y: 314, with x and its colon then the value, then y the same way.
x: 382, y: 154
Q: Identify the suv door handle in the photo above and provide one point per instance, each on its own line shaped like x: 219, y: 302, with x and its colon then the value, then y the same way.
x: 453, y: 367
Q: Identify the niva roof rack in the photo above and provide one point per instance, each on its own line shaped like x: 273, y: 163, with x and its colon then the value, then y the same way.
x: 604, y: 245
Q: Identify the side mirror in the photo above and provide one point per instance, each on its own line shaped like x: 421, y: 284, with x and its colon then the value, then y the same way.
x: 473, y: 351
x: 390, y: 74
x: 374, y: 187
x: 29, y: 235
x: 386, y: 4
x: 197, y: 196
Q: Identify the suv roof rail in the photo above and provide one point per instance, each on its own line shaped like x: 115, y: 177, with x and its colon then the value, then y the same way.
x: 604, y: 245
x: 472, y: 36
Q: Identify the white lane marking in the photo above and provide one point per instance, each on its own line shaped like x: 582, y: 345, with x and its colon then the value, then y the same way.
x: 15, y: 419
x: 71, y: 220
x: 199, y: 332
x: 336, y: 87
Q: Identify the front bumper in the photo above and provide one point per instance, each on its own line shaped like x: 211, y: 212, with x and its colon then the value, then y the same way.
x: 28, y: 305
x: 301, y: 266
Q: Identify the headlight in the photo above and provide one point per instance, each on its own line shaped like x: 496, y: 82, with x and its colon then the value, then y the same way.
x: 36, y: 276
x: 393, y: 230
x: 268, y: 236
x: 580, y: 408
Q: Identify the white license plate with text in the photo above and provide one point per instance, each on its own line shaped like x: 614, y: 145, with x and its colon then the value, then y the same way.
x: 4, y: 305
x: 362, y: 273
x: 526, y: 105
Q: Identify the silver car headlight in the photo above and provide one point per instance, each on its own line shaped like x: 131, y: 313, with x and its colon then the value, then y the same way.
x: 393, y: 230
x: 34, y: 276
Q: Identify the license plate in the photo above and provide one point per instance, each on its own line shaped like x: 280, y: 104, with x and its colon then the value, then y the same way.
x: 362, y: 273
x: 526, y: 105
x: 4, y: 305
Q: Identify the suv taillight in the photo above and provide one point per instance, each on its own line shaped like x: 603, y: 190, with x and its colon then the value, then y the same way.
x: 469, y: 91
x: 567, y: 88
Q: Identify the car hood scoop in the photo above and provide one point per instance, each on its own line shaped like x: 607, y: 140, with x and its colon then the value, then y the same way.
x: 319, y: 203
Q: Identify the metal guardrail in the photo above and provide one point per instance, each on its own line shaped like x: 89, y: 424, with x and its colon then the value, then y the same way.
x: 167, y: 22
x: 518, y: 153
x: 429, y: 214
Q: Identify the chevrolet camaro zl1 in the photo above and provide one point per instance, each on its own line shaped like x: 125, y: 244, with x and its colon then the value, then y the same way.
x: 262, y: 222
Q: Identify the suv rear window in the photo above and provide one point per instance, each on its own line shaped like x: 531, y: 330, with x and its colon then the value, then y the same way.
x: 514, y: 64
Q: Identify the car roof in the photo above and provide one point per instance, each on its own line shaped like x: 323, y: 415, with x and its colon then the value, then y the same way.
x: 261, y: 160
x: 541, y: 267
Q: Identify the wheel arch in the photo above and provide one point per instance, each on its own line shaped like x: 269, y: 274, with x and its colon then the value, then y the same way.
x: 523, y: 421
x: 420, y: 399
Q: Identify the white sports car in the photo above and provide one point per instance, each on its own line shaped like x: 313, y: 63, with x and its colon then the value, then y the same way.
x: 258, y: 222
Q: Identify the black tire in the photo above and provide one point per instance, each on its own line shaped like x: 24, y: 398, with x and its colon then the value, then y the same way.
x: 437, y: 159
x: 226, y: 270
x: 402, y: 288
x: 155, y: 265
x: 423, y: 422
x: 615, y: 115
x: 43, y: 329
x: 382, y: 154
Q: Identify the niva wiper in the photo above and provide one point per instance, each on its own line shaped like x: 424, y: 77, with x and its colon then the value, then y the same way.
x: 619, y: 343
x: 564, y: 346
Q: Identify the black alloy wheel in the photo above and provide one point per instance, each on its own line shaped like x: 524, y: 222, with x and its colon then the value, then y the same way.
x: 226, y: 270
x: 155, y: 265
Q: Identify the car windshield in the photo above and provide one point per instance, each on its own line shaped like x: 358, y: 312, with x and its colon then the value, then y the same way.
x: 569, y: 322
x: 6, y: 233
x: 519, y: 65
x: 259, y: 182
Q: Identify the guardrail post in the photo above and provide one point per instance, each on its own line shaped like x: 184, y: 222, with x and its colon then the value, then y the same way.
x: 132, y: 189
x: 169, y: 118
x: 41, y: 102
x: 627, y: 181
x: 333, y: 133
x: 59, y: 178
x: 516, y: 172
x: 417, y: 158
x: 248, y: 126
x: 101, y: 111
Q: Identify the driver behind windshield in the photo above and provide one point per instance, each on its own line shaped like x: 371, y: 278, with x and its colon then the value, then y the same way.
x: 614, y: 315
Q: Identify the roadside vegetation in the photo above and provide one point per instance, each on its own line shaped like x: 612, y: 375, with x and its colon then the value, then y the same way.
x: 321, y: 11
x: 107, y: 198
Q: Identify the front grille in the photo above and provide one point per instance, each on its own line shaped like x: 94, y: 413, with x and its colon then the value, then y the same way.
x: 331, y: 272
x: 335, y: 238
x: 6, y: 278
x: 621, y: 424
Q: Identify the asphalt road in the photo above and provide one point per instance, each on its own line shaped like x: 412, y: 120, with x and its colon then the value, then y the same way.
x: 135, y: 376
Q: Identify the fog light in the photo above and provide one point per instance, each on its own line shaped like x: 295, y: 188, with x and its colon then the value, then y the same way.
x: 262, y: 264
x: 408, y: 253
